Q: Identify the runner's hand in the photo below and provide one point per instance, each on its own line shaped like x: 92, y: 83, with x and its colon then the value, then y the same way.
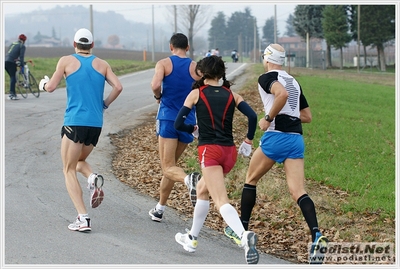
x: 245, y: 149
x: 43, y: 82
x: 196, y: 131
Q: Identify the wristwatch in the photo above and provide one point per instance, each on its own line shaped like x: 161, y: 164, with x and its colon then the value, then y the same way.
x: 158, y: 98
x: 268, y: 118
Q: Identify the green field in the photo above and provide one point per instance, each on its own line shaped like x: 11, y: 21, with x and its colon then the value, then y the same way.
x: 350, y: 143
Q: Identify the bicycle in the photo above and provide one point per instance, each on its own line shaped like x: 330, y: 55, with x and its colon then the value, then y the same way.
x: 26, y: 81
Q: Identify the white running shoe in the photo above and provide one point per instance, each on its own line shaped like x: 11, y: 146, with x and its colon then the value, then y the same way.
x: 187, y: 241
x: 95, y: 184
x: 249, y: 241
x: 80, y: 225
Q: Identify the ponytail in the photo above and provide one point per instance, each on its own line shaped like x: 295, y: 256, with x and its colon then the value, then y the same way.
x: 226, y: 83
x: 198, y: 83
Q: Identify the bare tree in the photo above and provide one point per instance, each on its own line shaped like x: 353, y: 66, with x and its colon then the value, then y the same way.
x: 172, y: 16
x: 192, y: 18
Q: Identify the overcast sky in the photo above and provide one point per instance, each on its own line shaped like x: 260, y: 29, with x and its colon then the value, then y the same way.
x: 139, y: 12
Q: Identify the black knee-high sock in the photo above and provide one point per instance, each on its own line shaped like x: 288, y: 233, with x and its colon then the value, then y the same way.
x: 247, y: 203
x: 308, y: 209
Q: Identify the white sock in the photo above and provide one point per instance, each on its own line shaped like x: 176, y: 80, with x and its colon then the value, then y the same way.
x: 89, y: 178
x: 231, y: 217
x: 83, y: 216
x: 199, y: 216
x: 160, y: 207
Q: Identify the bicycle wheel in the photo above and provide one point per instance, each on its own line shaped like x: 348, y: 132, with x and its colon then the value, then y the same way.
x: 20, y: 85
x: 33, y: 86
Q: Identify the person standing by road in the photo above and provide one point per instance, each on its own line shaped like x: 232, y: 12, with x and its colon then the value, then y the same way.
x: 286, y: 108
x: 171, y: 83
x: 16, y: 52
x: 85, y: 76
x: 215, y: 107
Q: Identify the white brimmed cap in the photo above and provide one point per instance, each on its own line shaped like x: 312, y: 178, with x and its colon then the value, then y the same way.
x: 274, y: 56
x: 83, y: 36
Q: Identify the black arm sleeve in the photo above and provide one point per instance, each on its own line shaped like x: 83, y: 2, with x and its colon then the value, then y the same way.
x: 251, y: 116
x: 180, y: 121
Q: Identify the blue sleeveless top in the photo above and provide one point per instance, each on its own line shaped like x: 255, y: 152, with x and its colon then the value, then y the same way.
x: 85, y: 90
x: 175, y: 88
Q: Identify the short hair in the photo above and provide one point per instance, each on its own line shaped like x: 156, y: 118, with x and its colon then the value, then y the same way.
x: 179, y: 41
x: 83, y: 46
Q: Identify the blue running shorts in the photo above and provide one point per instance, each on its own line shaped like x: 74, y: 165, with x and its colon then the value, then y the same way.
x: 280, y: 146
x: 166, y: 129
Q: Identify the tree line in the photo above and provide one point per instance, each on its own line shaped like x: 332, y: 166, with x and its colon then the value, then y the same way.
x: 371, y: 25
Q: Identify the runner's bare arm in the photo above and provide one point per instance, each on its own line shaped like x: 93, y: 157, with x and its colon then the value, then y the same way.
x: 159, y: 73
x: 114, y: 82
x: 52, y: 84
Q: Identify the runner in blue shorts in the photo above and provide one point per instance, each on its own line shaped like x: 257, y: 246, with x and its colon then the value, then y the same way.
x: 280, y: 146
x: 166, y: 129
x: 171, y: 83
x: 286, y: 108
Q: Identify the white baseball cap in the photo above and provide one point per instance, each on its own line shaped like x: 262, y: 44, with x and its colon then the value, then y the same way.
x: 83, y: 36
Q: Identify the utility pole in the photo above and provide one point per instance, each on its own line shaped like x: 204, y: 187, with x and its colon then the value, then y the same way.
x: 275, y: 27
x: 358, y: 39
x: 152, y: 25
x: 91, y: 20
x: 255, y: 39
x: 259, y: 45
x: 307, y: 49
x: 175, y: 20
x: 240, y: 47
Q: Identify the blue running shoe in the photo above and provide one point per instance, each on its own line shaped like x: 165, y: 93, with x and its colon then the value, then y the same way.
x: 318, y: 249
x: 232, y: 235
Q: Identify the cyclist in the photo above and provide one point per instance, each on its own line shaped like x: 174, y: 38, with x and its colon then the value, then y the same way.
x: 16, y: 52
x: 234, y: 56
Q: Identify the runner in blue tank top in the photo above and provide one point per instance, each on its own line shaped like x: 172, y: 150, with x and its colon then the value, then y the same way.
x: 171, y: 83
x: 175, y: 87
x: 85, y: 77
x: 84, y: 100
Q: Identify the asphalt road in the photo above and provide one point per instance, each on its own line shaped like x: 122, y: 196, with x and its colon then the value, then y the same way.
x: 37, y: 209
